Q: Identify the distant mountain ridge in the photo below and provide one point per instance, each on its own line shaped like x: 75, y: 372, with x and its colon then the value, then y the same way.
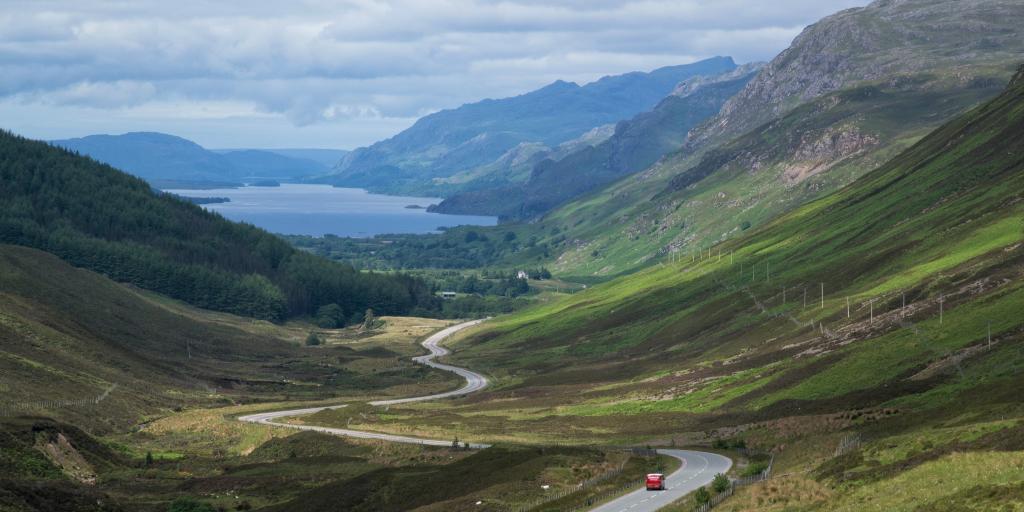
x: 451, y: 141
x: 162, y: 158
x: 633, y: 146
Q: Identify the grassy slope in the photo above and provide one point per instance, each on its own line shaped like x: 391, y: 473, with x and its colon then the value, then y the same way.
x: 696, y: 351
x: 68, y: 334
x: 71, y: 334
x: 691, y: 201
x: 806, y: 113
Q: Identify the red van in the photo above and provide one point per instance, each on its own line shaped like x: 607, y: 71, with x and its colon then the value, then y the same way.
x: 655, y: 482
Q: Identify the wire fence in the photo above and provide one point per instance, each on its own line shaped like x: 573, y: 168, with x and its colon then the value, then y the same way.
x: 848, y: 444
x: 582, y: 486
x: 13, y: 409
x: 717, y: 499
x: 588, y: 484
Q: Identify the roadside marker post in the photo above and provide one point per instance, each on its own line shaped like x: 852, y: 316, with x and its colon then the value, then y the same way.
x: 822, y: 296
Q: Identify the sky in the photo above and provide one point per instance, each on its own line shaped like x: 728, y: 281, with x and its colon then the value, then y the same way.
x: 341, y: 73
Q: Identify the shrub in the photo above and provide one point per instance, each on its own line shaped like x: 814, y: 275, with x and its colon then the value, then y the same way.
x: 720, y: 484
x: 312, y: 340
x: 189, y: 505
x: 701, y: 497
x: 330, y: 316
x: 755, y: 468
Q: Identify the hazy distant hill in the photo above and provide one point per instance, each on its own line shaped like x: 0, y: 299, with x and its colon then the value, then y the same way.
x: 450, y: 141
x: 633, y: 146
x: 161, y: 158
x: 326, y: 157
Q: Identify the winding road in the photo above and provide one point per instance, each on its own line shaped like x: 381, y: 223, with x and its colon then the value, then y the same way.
x: 698, y: 468
x: 474, y: 382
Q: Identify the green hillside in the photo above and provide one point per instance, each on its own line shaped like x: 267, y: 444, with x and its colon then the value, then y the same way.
x: 888, y: 313
x: 804, y: 127
x: 96, y: 217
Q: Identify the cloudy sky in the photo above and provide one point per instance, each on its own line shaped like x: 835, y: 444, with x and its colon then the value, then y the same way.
x: 341, y: 73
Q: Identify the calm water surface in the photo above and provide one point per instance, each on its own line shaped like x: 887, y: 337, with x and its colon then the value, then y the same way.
x: 321, y: 209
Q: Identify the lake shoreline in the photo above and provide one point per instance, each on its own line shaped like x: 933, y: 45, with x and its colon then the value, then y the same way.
x: 318, y: 210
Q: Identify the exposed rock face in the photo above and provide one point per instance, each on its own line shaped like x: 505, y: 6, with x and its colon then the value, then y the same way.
x: 884, y: 39
x: 63, y: 454
x: 817, y: 152
x: 692, y: 85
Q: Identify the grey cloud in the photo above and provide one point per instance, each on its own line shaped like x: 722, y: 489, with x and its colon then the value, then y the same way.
x: 339, y: 63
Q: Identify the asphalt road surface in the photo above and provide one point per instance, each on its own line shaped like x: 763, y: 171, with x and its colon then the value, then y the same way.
x: 698, y: 469
x: 474, y: 382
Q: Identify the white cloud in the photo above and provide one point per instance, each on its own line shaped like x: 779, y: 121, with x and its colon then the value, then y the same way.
x: 341, y: 65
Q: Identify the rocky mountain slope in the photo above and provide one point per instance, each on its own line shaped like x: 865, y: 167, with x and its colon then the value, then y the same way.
x: 457, y: 140
x: 887, y: 40
x: 851, y: 92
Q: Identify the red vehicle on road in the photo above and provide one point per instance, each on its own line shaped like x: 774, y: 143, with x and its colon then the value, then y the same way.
x: 655, y: 482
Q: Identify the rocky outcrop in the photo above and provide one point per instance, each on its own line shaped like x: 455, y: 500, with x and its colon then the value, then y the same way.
x: 884, y: 39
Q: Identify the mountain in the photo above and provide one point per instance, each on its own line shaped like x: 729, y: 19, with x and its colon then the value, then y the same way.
x: 168, y: 160
x: 326, y: 157
x: 888, y: 40
x: 450, y: 141
x: 256, y: 163
x: 514, y: 166
x: 153, y: 156
x: 635, y: 145
x: 830, y: 108
x: 96, y: 217
x: 865, y: 340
